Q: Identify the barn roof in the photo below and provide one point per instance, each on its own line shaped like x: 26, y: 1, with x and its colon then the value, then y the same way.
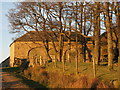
x: 40, y: 36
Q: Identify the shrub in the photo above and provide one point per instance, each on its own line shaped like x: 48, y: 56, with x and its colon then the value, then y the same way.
x: 82, y: 82
x: 37, y: 73
x: 59, y: 80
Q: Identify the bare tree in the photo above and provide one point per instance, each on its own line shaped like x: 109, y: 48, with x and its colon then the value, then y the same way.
x: 96, y: 45
x: 97, y: 33
x: 27, y: 17
x: 109, y: 36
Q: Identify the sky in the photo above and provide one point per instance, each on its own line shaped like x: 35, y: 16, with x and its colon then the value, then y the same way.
x: 5, y: 36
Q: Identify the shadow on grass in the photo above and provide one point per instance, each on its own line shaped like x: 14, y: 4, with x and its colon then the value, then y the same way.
x: 11, y: 69
x: 30, y: 83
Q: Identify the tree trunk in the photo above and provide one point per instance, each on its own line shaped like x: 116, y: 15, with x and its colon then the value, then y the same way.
x: 61, y: 36
x: 76, y: 53
x: 63, y: 62
x: 97, y: 34
x: 94, y: 65
x: 118, y: 32
x: 109, y: 37
x: 84, y: 43
x: 46, y: 46
x: 81, y: 24
x: 69, y: 42
x: 119, y: 63
x: 76, y: 42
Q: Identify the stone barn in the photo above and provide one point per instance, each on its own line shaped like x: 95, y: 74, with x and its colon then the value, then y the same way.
x: 30, y: 47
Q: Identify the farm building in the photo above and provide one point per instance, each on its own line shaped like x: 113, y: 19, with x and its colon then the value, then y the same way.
x: 30, y: 46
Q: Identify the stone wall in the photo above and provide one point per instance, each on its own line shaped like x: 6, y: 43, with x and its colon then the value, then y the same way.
x: 19, y: 50
x: 31, y: 50
x: 12, y: 48
x: 22, y: 48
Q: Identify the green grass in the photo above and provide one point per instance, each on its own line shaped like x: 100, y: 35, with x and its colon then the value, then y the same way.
x: 85, y: 69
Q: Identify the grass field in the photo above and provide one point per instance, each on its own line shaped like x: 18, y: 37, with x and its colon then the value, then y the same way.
x: 85, y: 69
x: 58, y: 78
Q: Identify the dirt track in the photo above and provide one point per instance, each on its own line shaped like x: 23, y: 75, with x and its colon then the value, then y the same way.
x: 9, y: 81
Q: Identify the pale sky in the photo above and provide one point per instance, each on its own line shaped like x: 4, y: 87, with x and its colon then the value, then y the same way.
x: 5, y: 36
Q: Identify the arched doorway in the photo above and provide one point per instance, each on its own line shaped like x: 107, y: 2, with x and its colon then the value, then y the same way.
x: 37, y: 56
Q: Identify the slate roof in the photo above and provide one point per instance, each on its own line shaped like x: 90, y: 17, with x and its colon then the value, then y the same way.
x: 39, y: 36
